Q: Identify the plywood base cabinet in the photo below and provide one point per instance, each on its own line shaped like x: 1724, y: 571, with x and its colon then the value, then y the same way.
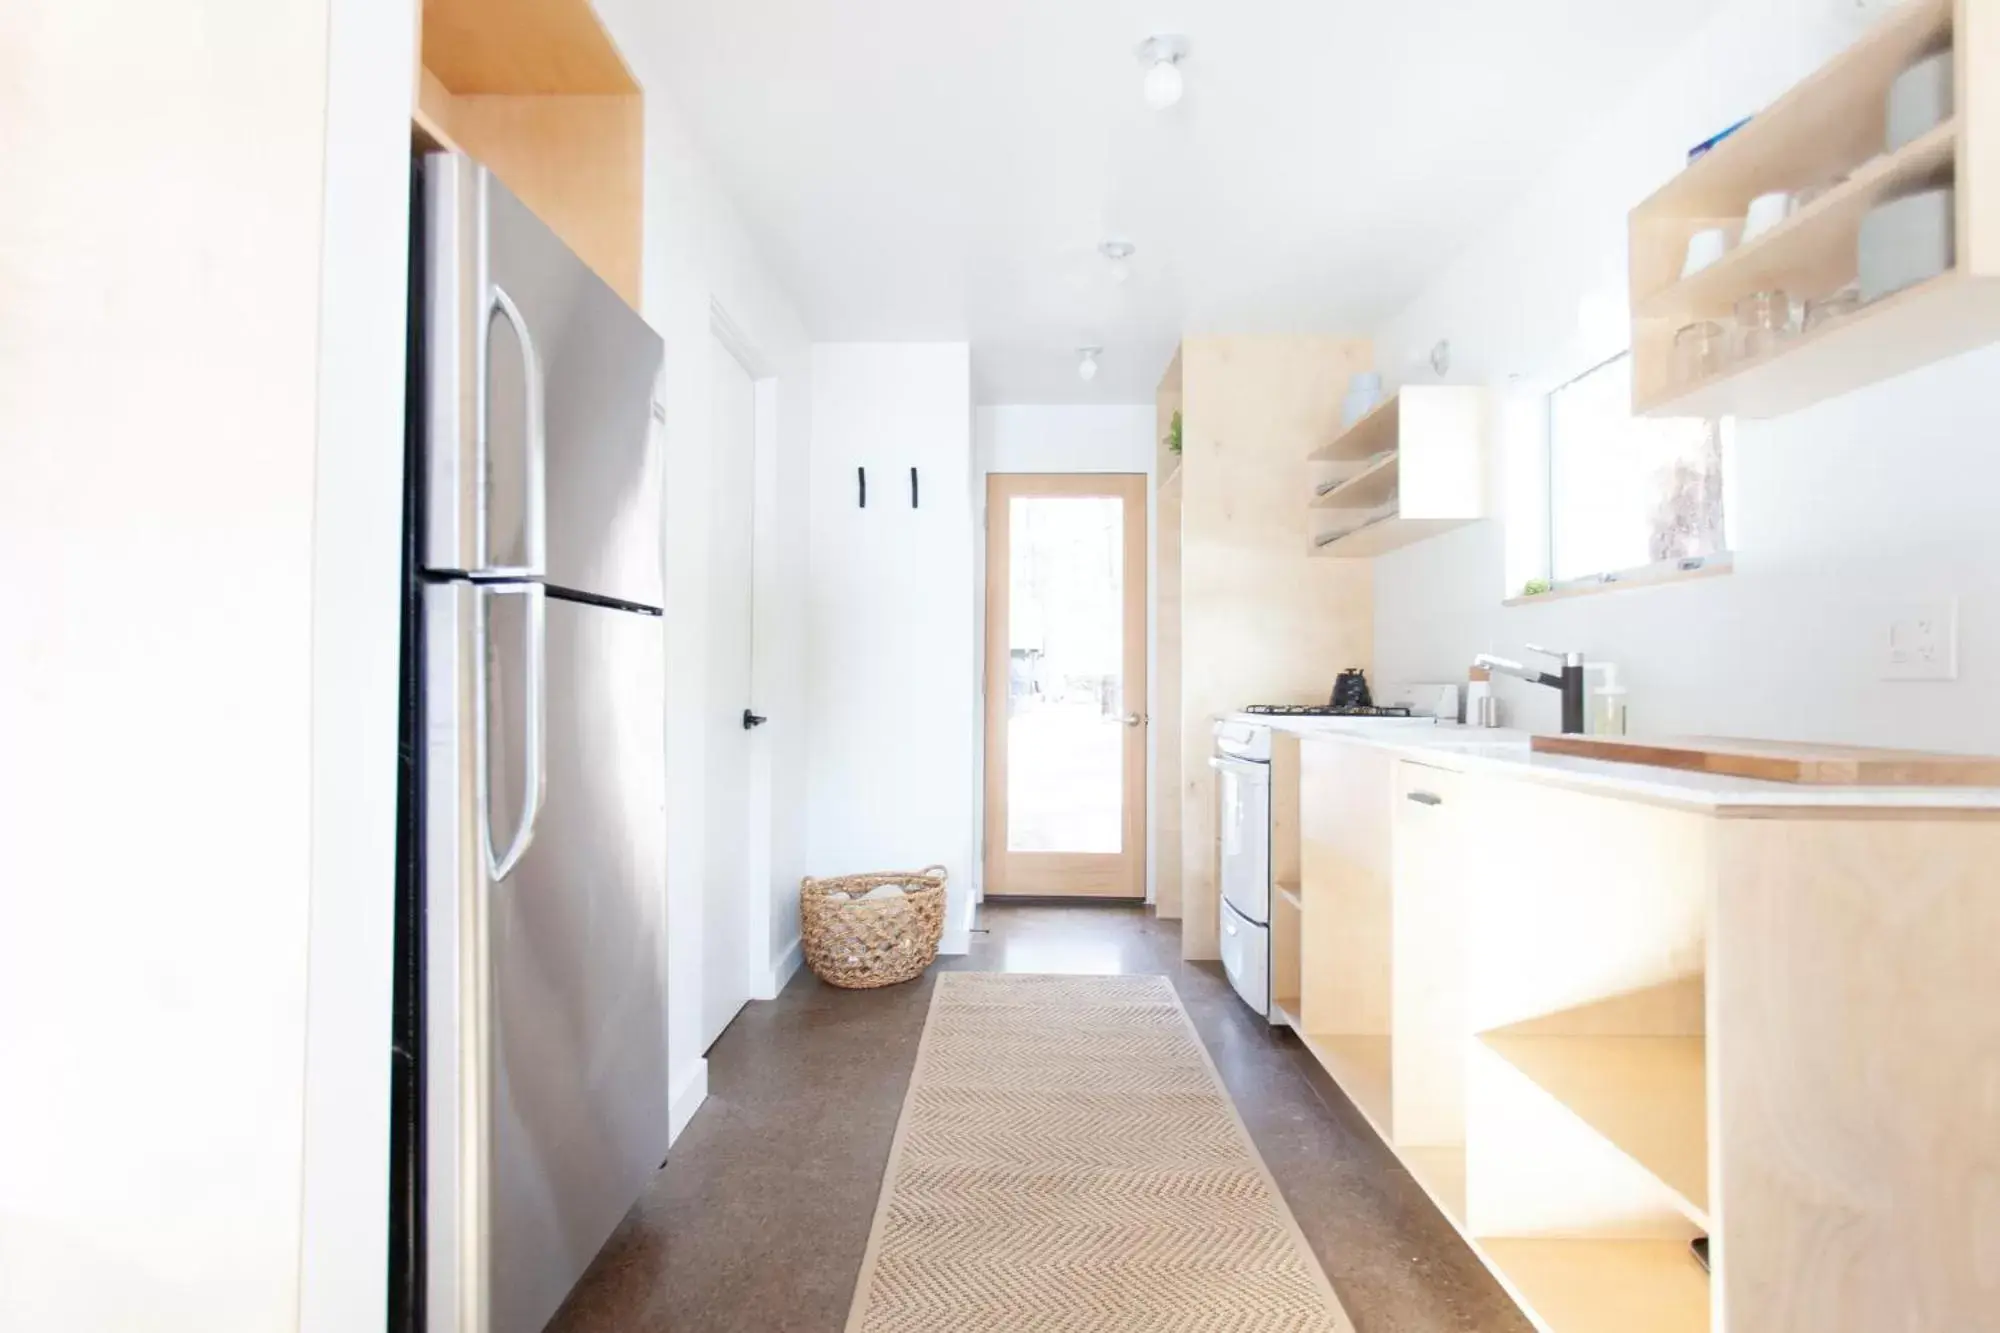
x: 1596, y: 1028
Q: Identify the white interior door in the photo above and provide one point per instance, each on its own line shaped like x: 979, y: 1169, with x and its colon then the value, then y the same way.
x: 726, y: 894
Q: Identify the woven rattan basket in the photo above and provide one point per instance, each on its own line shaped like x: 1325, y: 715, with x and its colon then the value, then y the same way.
x: 859, y: 945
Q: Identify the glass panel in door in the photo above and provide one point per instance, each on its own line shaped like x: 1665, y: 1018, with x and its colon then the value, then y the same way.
x: 1065, y: 677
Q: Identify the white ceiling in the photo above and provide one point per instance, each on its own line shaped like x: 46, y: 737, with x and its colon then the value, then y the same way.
x: 944, y: 169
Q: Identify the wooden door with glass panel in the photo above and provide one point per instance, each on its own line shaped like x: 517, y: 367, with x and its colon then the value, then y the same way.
x: 1066, y: 685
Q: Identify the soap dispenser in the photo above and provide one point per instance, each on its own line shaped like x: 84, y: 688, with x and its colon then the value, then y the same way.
x: 1607, y: 701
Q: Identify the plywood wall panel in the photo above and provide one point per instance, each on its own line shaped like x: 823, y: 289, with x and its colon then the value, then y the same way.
x: 1261, y: 622
x: 578, y: 162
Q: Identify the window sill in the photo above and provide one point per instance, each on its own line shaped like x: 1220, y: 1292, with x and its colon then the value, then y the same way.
x: 1651, y: 576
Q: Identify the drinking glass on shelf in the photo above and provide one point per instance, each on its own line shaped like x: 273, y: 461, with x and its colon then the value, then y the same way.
x: 1698, y: 351
x: 1763, y: 320
x: 1824, y: 310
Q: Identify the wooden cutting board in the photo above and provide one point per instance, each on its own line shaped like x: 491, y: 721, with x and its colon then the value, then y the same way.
x: 1785, y: 761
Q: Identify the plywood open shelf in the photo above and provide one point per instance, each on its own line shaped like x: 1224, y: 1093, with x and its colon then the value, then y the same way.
x: 1648, y: 1096
x: 1360, y: 1066
x: 1368, y: 436
x: 1441, y: 1173
x: 1373, y: 485
x: 1415, y: 467
x: 1602, y: 1286
x: 1812, y: 251
x: 536, y: 91
x: 1828, y: 131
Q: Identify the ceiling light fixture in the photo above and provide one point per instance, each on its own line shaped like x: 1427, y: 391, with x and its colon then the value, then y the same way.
x: 1119, y: 251
x: 1086, y: 369
x: 1162, y: 54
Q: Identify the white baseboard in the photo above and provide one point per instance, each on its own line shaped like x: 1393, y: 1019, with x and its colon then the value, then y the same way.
x: 956, y: 940
x: 685, y: 1100
x: 783, y: 968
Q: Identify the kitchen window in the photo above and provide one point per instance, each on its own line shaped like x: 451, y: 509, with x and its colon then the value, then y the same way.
x: 1631, y: 499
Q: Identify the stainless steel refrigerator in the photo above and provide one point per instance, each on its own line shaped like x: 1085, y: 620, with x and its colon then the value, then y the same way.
x: 532, y: 1105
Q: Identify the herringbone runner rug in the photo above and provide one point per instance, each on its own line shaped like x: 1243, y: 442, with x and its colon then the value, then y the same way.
x: 1068, y: 1162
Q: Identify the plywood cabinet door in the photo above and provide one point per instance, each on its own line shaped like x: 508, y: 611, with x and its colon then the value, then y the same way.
x: 1345, y: 797
x: 1428, y: 866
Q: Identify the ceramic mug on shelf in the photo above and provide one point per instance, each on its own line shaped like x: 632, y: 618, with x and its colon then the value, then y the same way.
x: 1705, y: 247
x: 1767, y: 211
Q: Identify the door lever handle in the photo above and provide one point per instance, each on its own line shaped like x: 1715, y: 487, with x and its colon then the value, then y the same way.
x: 752, y: 721
x: 1134, y: 719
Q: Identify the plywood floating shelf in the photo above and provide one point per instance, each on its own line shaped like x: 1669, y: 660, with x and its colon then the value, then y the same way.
x: 1369, y: 488
x: 1828, y: 128
x: 1812, y: 251
x: 1647, y: 1096
x: 1389, y: 534
x: 1367, y: 437
x: 1603, y: 1286
x: 1933, y: 320
x: 1824, y: 125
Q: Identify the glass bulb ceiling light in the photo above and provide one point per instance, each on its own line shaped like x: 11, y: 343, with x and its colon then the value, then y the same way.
x: 1161, y: 54
x: 1119, y: 252
x: 1086, y: 369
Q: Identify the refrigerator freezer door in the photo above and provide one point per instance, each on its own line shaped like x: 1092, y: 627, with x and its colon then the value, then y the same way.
x: 598, y: 363
x: 538, y: 401
x: 578, y: 1043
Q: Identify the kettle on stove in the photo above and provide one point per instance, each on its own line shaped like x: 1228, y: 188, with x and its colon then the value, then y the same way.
x: 1350, y: 689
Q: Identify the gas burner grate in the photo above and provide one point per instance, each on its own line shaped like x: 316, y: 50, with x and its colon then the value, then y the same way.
x: 1324, y: 710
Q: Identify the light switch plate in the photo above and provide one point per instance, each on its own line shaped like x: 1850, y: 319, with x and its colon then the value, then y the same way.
x: 1920, y: 641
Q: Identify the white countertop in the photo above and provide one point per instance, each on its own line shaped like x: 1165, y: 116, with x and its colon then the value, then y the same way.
x: 1505, y: 753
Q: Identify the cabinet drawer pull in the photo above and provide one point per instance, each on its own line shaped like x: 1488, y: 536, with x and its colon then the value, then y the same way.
x: 1426, y: 798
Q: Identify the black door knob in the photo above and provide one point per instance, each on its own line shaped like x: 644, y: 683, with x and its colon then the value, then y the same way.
x: 752, y: 721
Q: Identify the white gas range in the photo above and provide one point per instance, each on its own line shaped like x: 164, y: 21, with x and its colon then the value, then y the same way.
x: 1242, y: 764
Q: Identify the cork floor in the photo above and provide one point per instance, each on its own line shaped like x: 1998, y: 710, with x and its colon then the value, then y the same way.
x: 758, y: 1222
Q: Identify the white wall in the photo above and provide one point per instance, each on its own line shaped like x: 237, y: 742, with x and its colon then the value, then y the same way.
x: 1064, y: 439
x: 1061, y: 439
x: 889, y: 621
x: 699, y: 259
x: 357, y: 585
x: 160, y: 270
x: 1838, y: 512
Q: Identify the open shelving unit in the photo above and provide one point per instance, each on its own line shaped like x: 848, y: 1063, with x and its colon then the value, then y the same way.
x: 1547, y: 1089
x: 1361, y: 1066
x: 1412, y: 468
x: 1646, y: 1096
x: 1828, y: 131
x: 1594, y: 1286
x: 536, y: 91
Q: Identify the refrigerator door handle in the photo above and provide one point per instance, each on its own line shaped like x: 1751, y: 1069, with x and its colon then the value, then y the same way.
x: 534, y: 757
x: 535, y: 503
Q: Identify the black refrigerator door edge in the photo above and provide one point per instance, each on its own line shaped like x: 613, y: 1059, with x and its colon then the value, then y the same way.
x: 577, y: 595
x: 405, y: 1313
